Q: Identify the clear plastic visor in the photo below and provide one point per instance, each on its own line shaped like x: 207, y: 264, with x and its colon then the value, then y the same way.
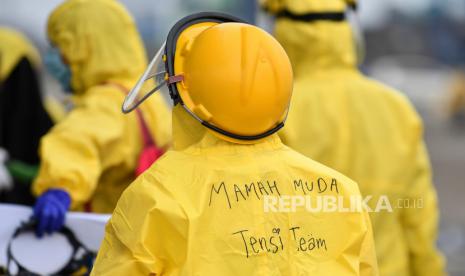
x: 153, y: 80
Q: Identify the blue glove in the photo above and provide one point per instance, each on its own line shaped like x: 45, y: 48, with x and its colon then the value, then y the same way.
x: 50, y: 211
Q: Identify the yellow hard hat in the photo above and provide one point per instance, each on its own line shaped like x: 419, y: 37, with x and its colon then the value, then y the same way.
x: 233, y: 77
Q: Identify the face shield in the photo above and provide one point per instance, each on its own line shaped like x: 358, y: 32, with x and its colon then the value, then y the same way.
x: 77, y: 259
x: 154, y: 79
x: 160, y: 75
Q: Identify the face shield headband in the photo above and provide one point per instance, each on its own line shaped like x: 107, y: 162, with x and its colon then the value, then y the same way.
x: 349, y: 15
x: 81, y: 260
x: 160, y: 74
x: 315, y: 16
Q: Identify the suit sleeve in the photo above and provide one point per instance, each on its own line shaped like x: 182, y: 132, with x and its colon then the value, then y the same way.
x: 130, y: 242
x: 421, y: 223
x: 75, y: 152
x: 116, y: 258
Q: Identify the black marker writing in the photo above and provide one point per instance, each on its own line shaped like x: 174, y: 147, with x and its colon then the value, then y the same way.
x: 308, y: 243
x: 243, y: 192
x: 217, y: 191
x: 257, y: 244
x: 320, y: 187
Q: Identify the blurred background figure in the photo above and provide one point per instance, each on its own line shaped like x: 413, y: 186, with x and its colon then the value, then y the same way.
x: 23, y: 117
x: 456, y: 102
x: 91, y: 156
x: 361, y: 128
x: 414, y: 46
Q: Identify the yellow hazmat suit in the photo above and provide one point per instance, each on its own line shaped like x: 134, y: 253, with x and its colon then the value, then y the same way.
x: 365, y: 130
x: 13, y: 47
x: 200, y: 211
x: 92, y: 154
x: 211, y: 206
x: 24, y: 117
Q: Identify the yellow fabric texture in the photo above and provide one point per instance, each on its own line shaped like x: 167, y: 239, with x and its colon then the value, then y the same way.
x: 93, y: 152
x: 13, y: 47
x: 305, y: 6
x: 370, y: 133
x: 180, y: 216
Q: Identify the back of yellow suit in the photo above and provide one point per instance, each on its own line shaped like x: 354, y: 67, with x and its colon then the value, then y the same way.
x: 201, y: 209
x: 15, y: 46
x: 363, y: 129
x: 93, y: 152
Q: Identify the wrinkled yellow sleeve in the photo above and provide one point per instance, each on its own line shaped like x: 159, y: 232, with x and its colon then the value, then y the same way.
x: 76, y: 151
x: 129, y: 237
x: 368, y: 262
x: 115, y: 258
x: 421, y: 223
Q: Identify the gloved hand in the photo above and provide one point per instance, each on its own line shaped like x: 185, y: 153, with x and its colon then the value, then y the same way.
x: 6, y: 182
x: 50, y: 211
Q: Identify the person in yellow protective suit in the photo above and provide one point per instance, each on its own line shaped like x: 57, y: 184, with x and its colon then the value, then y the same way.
x: 23, y: 116
x: 202, y: 209
x: 89, y: 158
x: 361, y: 128
x: 15, y: 46
x: 456, y: 100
